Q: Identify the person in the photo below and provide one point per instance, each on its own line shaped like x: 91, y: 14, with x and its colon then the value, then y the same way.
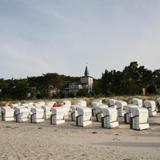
x: 56, y: 105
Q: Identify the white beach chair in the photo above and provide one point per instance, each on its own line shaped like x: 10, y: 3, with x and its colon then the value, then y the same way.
x: 112, y: 102
x: 128, y: 113
x: 139, y: 119
x: 73, y: 112
x: 67, y: 110
x: 13, y: 105
x: 0, y: 112
x: 96, y: 101
x: 21, y: 114
x: 47, y: 111
x: 120, y: 108
x: 94, y: 105
x: 137, y: 101
x: 67, y: 103
x: 39, y: 104
x: 29, y: 106
x: 7, y: 113
x: 37, y: 115
x: 83, y: 117
x: 158, y: 104
x: 57, y: 116
x: 98, y: 112
x: 82, y: 103
x: 50, y: 103
x: 110, y: 118
x: 151, y: 106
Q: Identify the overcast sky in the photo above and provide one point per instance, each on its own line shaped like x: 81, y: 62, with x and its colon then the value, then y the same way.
x: 41, y: 36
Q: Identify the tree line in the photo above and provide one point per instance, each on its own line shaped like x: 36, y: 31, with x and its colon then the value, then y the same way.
x: 48, y: 85
x: 130, y: 81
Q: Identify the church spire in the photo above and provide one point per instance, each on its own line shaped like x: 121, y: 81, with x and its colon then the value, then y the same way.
x: 86, y: 73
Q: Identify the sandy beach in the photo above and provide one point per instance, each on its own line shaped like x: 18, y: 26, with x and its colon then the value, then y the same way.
x: 42, y: 141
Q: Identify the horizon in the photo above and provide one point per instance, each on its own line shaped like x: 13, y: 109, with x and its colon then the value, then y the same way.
x: 64, y: 36
x: 74, y: 75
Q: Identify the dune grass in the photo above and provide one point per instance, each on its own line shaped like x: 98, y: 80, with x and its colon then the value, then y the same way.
x: 73, y: 100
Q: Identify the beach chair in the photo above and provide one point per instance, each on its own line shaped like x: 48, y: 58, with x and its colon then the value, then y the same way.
x: 57, y: 116
x: 67, y: 103
x: 50, y: 104
x: 120, y: 108
x: 0, y: 113
x: 98, y: 111
x: 67, y: 110
x: 37, y: 115
x: 73, y: 112
x: 83, y: 117
x: 7, y: 113
x: 82, y: 103
x: 94, y: 104
x: 137, y: 101
x: 112, y: 102
x: 158, y: 104
x: 109, y: 118
x: 139, y: 119
x: 39, y: 104
x: 13, y: 105
x: 47, y: 111
x: 29, y: 106
x: 99, y: 101
x: 21, y: 114
x: 151, y: 106
x: 128, y: 113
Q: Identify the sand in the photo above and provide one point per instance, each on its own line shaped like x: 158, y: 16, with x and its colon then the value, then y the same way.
x: 26, y: 141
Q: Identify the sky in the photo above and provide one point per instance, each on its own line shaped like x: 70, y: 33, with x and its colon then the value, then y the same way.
x: 63, y: 36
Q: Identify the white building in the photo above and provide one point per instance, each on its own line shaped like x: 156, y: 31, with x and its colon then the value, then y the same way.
x: 86, y: 82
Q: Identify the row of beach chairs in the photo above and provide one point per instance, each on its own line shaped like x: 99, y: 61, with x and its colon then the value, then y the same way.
x: 110, y: 115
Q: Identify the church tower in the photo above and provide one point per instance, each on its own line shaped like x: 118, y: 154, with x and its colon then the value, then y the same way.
x: 86, y: 73
x: 87, y: 81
